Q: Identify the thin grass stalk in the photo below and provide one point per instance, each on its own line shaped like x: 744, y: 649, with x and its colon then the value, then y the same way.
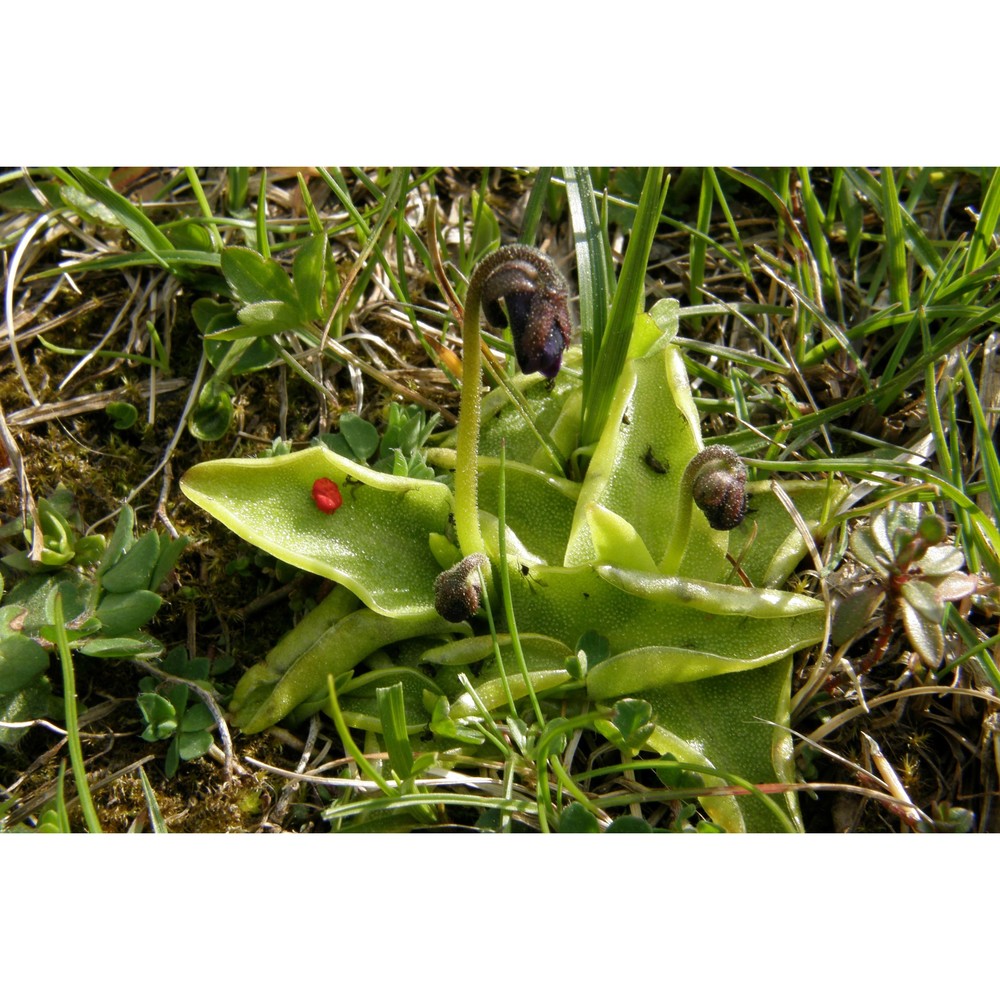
x: 816, y: 221
x: 986, y: 225
x: 206, y: 209
x: 508, y: 603
x: 629, y: 300
x: 698, y: 246
x: 156, y: 820
x: 899, y: 285
x: 916, y: 239
x: 720, y: 196
x: 984, y: 438
x: 591, y: 267
x: 72, y: 719
x: 260, y: 218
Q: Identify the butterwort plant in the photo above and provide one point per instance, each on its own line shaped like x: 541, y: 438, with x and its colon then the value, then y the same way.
x: 514, y: 566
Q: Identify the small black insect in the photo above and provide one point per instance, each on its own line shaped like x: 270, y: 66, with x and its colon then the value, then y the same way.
x: 654, y: 463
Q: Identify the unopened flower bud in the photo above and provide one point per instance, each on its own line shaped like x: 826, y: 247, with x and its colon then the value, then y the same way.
x: 458, y: 591
x: 536, y: 300
x: 719, y: 486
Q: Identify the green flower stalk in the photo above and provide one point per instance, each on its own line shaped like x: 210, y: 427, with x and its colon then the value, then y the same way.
x: 536, y: 306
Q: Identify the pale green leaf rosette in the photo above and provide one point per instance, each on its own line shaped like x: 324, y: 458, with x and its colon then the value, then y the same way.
x: 710, y: 653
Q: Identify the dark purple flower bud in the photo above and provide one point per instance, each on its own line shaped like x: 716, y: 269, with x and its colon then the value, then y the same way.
x: 536, y: 300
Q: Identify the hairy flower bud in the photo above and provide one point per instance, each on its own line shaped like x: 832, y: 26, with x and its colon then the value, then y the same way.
x: 719, y: 486
x: 458, y: 591
x: 536, y: 300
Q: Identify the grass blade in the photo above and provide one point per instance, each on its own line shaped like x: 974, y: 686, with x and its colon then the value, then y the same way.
x: 899, y: 286
x: 535, y: 206
x: 986, y: 224
x: 134, y: 220
x: 72, y: 722
x: 156, y: 820
x: 699, y: 247
x: 628, y: 301
x: 591, y: 264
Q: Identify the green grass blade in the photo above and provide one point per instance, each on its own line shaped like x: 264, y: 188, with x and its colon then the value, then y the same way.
x: 508, y: 603
x: 392, y: 715
x: 899, y: 285
x: 536, y: 205
x: 206, y: 209
x: 916, y: 239
x: 699, y: 247
x: 986, y: 225
x: 628, y: 301
x: 984, y: 438
x: 816, y: 227
x: 720, y: 196
x: 237, y: 189
x: 134, y: 220
x: 62, y: 813
x: 263, y: 240
x: 591, y: 265
x: 72, y: 722
x: 156, y: 820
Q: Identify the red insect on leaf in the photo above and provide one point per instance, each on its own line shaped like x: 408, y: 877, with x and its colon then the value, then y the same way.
x: 326, y: 495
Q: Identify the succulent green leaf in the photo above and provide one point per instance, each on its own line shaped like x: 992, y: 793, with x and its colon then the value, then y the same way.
x: 160, y: 716
x: 955, y: 586
x: 865, y: 547
x: 853, y: 615
x: 138, y: 646
x: 211, y: 418
x: 31, y: 702
x: 360, y: 435
x: 198, y: 716
x: 375, y: 543
x: 616, y: 541
x: 630, y: 725
x: 170, y: 550
x: 720, y: 628
x: 270, y: 690
x: 723, y: 722
x: 767, y: 544
x: 650, y: 436
x: 122, y: 415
